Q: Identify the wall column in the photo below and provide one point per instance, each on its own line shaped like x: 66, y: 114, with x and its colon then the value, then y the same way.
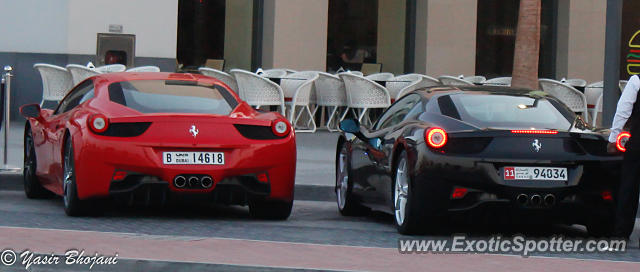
x: 446, y: 37
x: 295, y: 34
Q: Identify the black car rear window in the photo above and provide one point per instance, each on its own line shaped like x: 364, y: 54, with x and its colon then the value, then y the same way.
x: 506, y: 111
x: 172, y: 96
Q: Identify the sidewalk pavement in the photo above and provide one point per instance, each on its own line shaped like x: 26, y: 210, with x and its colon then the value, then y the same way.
x: 315, y: 173
x: 147, y: 250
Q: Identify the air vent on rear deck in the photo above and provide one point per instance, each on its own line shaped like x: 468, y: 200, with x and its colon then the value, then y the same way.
x: 257, y: 132
x: 126, y: 129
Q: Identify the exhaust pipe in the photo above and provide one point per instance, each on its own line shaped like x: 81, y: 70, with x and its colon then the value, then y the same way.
x: 549, y: 200
x: 536, y: 200
x: 206, y: 182
x: 522, y: 199
x: 179, y: 181
x: 194, y: 181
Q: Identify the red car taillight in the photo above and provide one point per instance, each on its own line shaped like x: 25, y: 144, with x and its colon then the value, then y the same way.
x: 280, y: 127
x: 98, y: 123
x: 436, y: 137
x: 621, y: 141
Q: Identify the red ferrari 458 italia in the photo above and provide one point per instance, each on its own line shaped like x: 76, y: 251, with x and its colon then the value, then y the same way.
x: 150, y: 137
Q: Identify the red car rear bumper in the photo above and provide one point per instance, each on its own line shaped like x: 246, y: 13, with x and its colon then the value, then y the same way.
x: 98, y: 158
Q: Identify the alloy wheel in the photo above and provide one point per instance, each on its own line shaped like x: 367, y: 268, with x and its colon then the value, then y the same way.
x: 401, y: 192
x: 68, y: 173
x: 342, y: 178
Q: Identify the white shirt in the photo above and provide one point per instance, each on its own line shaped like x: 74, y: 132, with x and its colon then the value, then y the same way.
x: 625, y: 107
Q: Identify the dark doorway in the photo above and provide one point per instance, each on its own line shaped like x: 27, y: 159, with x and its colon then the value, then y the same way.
x: 496, y: 37
x: 352, y: 33
x: 201, y: 26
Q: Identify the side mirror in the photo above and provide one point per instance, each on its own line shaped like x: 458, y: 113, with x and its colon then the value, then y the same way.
x: 350, y: 126
x: 30, y: 111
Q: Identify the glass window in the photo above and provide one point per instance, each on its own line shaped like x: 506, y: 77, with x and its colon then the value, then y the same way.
x: 630, y: 40
x: 397, y: 112
x: 215, y: 31
x: 496, y: 38
x: 506, y: 111
x: 77, y: 96
x: 172, y: 96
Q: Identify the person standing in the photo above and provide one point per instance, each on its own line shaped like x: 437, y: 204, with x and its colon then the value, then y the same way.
x: 627, y: 116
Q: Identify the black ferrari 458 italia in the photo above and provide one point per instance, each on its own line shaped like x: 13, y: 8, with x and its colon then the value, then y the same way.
x: 478, y: 152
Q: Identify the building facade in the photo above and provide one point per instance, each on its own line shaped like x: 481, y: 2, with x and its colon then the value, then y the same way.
x: 433, y: 37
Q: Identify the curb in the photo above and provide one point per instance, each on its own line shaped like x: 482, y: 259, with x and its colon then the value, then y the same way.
x: 13, y: 182
x: 148, y: 265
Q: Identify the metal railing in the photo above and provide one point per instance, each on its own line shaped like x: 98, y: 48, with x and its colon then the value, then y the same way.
x: 6, y: 82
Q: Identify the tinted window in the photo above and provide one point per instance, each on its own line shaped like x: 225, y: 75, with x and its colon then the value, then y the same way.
x: 397, y: 112
x: 507, y: 111
x: 77, y: 96
x: 172, y: 96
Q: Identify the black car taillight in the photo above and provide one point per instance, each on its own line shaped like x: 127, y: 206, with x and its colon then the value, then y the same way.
x: 258, y: 132
x: 126, y: 129
x: 621, y: 141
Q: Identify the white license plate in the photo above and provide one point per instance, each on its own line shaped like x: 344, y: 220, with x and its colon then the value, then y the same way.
x: 193, y: 158
x: 535, y: 173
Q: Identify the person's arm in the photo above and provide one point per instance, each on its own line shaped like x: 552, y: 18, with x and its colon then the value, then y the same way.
x: 625, y: 107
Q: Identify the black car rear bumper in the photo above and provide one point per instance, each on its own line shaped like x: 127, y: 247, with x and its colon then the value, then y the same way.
x: 587, y: 193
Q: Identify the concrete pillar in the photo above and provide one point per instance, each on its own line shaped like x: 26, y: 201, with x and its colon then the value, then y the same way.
x: 581, y: 39
x: 391, y: 35
x: 446, y: 37
x: 295, y: 34
x: 237, y: 34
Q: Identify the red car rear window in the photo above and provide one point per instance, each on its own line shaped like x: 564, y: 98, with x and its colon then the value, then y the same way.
x: 172, y: 96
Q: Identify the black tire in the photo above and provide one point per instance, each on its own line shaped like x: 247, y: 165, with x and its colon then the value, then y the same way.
x: 270, y: 209
x: 32, y: 187
x: 413, y: 220
x: 73, y: 206
x: 601, y: 228
x: 347, y: 202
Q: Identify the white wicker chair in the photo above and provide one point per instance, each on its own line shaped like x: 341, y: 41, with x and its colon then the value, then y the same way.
x: 258, y: 91
x: 220, y: 75
x: 302, y: 86
x: 380, y: 76
x: 111, y: 68
x: 274, y: 73
x: 576, y: 82
x: 453, y: 81
x: 358, y: 73
x: 397, y: 86
x: 149, y: 68
x: 574, y: 99
x: 56, y: 82
x: 498, y: 81
x: 364, y: 94
x: 593, y: 94
x: 475, y: 79
x: 622, y: 84
x: 331, y: 93
x: 80, y: 73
